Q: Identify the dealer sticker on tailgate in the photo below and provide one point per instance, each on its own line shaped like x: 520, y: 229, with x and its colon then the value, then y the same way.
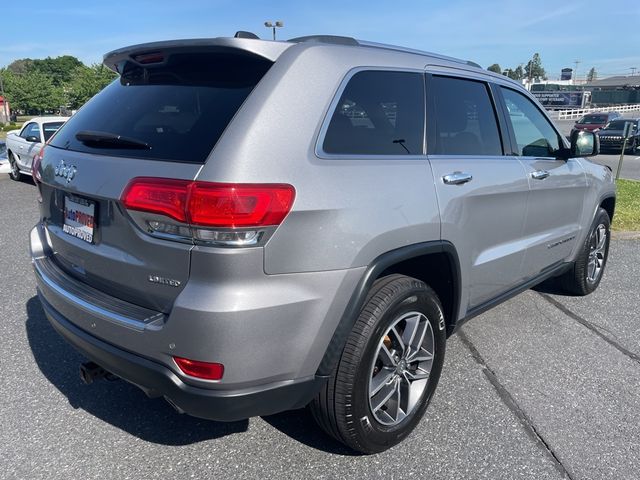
x: 79, y: 218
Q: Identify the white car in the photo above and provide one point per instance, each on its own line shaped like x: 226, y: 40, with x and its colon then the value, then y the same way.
x: 23, y: 145
x: 4, y: 162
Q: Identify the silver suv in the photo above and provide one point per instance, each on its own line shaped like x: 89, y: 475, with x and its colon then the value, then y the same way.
x: 245, y: 227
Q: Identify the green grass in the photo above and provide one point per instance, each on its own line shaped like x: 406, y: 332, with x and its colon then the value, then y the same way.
x: 627, y: 216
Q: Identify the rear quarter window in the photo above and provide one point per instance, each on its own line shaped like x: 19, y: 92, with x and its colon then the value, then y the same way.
x: 465, y: 120
x: 180, y: 108
x: 378, y: 113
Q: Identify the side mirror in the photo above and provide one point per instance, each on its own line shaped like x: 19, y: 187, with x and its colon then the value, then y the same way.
x: 584, y: 144
x: 32, y: 139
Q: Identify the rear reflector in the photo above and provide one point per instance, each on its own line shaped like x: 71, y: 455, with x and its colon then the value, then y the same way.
x: 204, y: 370
x: 209, y: 204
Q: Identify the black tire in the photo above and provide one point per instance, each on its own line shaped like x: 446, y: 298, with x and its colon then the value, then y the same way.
x: 633, y: 148
x: 580, y: 280
x: 342, y: 408
x: 14, y: 172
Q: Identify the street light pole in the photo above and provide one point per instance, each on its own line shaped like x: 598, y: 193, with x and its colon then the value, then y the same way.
x: 274, y: 25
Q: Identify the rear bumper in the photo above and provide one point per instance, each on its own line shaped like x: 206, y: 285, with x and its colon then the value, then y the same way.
x: 270, y: 348
x: 158, y: 381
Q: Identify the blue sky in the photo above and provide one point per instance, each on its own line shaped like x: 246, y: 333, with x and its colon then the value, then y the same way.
x: 485, y: 31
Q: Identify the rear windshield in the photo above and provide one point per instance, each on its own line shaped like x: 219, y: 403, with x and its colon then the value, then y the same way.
x: 590, y: 119
x: 50, y: 128
x: 179, y: 108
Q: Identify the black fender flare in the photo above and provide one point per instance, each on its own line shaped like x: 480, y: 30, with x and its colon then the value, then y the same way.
x: 373, y: 271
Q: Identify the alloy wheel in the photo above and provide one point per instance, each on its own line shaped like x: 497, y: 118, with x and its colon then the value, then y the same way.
x: 597, y: 253
x: 401, y: 367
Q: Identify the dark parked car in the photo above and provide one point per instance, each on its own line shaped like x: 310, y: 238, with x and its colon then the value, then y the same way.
x: 595, y: 121
x: 611, y: 136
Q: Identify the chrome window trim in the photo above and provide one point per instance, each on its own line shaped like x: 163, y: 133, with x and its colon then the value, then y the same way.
x: 319, y: 151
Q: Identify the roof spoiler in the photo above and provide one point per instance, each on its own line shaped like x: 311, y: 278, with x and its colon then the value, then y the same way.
x: 241, y: 44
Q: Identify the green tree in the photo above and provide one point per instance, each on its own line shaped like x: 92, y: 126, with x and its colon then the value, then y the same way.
x: 20, y: 66
x: 495, y: 68
x: 85, y: 82
x: 592, y: 75
x: 518, y: 73
x: 32, y: 92
x: 533, y: 70
x: 59, y: 69
x: 511, y: 73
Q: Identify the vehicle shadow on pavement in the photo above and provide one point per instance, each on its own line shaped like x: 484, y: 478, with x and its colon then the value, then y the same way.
x: 552, y: 286
x: 116, y: 402
x: 300, y: 425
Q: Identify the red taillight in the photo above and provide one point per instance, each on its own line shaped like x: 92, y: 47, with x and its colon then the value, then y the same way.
x: 241, y: 205
x: 35, y: 165
x: 204, y: 370
x: 158, y: 195
x: 211, y: 204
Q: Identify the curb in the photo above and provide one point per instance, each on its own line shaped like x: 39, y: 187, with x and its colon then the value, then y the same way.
x: 625, y: 235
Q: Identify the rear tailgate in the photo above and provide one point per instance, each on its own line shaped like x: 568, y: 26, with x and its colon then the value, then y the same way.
x: 161, y: 118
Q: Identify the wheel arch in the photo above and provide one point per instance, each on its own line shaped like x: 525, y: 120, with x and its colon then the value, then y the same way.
x: 609, y: 204
x: 436, y: 263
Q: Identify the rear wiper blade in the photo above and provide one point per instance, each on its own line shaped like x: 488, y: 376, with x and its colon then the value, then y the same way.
x: 110, y: 140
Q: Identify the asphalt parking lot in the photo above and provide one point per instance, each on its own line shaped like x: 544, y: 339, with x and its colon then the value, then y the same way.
x: 541, y: 387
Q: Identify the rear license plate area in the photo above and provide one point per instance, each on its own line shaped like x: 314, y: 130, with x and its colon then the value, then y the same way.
x: 79, y: 218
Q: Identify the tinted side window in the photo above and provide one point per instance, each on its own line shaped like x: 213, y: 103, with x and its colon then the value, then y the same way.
x: 465, y: 118
x: 31, y: 130
x: 379, y: 113
x: 535, y: 136
x: 50, y: 128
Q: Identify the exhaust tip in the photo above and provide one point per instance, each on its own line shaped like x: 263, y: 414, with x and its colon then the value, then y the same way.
x: 90, y: 372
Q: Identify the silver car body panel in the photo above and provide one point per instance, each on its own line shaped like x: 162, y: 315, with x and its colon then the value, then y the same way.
x: 269, y: 313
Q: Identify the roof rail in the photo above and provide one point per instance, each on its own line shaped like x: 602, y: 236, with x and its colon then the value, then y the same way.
x: 334, y: 39
x: 338, y: 40
x: 397, y: 48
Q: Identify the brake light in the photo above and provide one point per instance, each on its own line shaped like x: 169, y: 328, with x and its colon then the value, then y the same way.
x: 198, y: 369
x: 147, y: 58
x: 241, y: 205
x: 158, y: 195
x: 35, y: 165
x: 209, y: 204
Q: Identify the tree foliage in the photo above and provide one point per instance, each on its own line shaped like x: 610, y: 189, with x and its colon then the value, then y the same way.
x: 85, y: 82
x: 518, y: 73
x: 59, y: 69
x: 32, y: 92
x: 35, y: 86
x: 533, y: 70
x: 592, y: 75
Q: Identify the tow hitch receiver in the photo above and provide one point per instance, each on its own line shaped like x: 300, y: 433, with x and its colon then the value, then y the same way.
x: 90, y: 371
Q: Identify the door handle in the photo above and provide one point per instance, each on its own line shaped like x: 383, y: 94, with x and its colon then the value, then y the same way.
x: 540, y: 174
x: 457, y: 178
